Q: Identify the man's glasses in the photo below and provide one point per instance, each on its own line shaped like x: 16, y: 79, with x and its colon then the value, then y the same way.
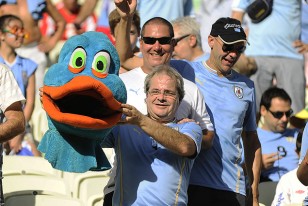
x: 166, y: 93
x: 17, y: 31
x: 279, y: 115
x: 232, y: 47
x: 180, y: 38
x: 152, y: 40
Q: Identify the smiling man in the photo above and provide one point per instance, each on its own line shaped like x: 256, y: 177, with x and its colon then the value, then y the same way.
x: 154, y: 153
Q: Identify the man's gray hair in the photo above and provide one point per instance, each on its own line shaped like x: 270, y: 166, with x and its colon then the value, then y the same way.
x: 171, y: 72
x: 188, y: 25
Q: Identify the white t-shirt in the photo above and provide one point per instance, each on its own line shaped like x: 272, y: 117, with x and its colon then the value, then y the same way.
x: 289, y: 190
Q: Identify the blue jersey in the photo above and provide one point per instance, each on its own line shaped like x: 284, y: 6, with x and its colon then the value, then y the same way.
x: 147, y: 172
x: 270, y: 142
x: 231, y: 105
x: 274, y: 36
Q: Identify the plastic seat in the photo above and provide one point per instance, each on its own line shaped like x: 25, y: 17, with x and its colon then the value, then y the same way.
x: 88, y: 184
x: 13, y: 165
x: 40, y: 199
x: 95, y: 200
x: 35, y: 183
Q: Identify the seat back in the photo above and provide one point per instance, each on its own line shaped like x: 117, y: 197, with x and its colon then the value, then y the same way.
x: 95, y: 200
x: 88, y: 184
x: 28, y: 199
x: 28, y: 165
x: 35, y: 183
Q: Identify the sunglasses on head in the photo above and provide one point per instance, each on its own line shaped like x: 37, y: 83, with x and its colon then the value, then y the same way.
x: 232, y: 47
x: 152, y: 40
x: 279, y: 115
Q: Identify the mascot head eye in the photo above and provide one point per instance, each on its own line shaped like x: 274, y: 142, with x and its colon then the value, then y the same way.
x: 77, y: 61
x: 101, y: 64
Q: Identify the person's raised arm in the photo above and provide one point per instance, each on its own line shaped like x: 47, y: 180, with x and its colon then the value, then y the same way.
x: 253, y: 159
x: 86, y: 10
x: 126, y: 9
x: 48, y: 43
x: 173, y: 140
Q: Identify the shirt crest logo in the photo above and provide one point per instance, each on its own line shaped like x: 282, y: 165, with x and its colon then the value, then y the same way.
x: 238, y: 91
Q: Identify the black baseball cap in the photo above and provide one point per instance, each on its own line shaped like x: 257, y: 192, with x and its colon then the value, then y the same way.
x: 229, y: 30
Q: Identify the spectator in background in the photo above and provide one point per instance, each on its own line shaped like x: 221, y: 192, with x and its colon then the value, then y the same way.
x: 277, y: 141
x: 277, y: 50
x: 289, y: 190
x: 187, y: 37
x: 35, y: 46
x: 103, y: 18
x: 69, y: 9
x: 12, y: 35
x: 304, y: 35
x: 11, y: 115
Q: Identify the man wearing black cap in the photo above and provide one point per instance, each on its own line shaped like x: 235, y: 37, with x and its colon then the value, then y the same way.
x: 217, y: 177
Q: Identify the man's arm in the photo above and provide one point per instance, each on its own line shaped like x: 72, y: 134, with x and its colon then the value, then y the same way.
x: 86, y: 10
x: 239, y: 15
x: 48, y: 43
x: 173, y: 140
x: 126, y: 10
x: 253, y: 158
x: 14, y: 124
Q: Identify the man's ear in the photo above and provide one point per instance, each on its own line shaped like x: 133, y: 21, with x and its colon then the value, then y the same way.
x: 211, y: 40
x: 263, y: 110
x: 192, y: 40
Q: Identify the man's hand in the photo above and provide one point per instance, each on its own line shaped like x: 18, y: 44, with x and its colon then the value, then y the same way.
x: 131, y: 115
x: 300, y: 46
x: 15, y: 143
x: 268, y: 160
x: 126, y: 7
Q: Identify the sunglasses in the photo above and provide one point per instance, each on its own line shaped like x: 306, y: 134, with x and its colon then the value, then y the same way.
x: 180, y: 38
x: 152, y: 40
x: 17, y: 31
x: 232, y: 47
x: 279, y: 115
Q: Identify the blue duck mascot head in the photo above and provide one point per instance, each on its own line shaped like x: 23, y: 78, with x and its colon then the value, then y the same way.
x: 82, y: 98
